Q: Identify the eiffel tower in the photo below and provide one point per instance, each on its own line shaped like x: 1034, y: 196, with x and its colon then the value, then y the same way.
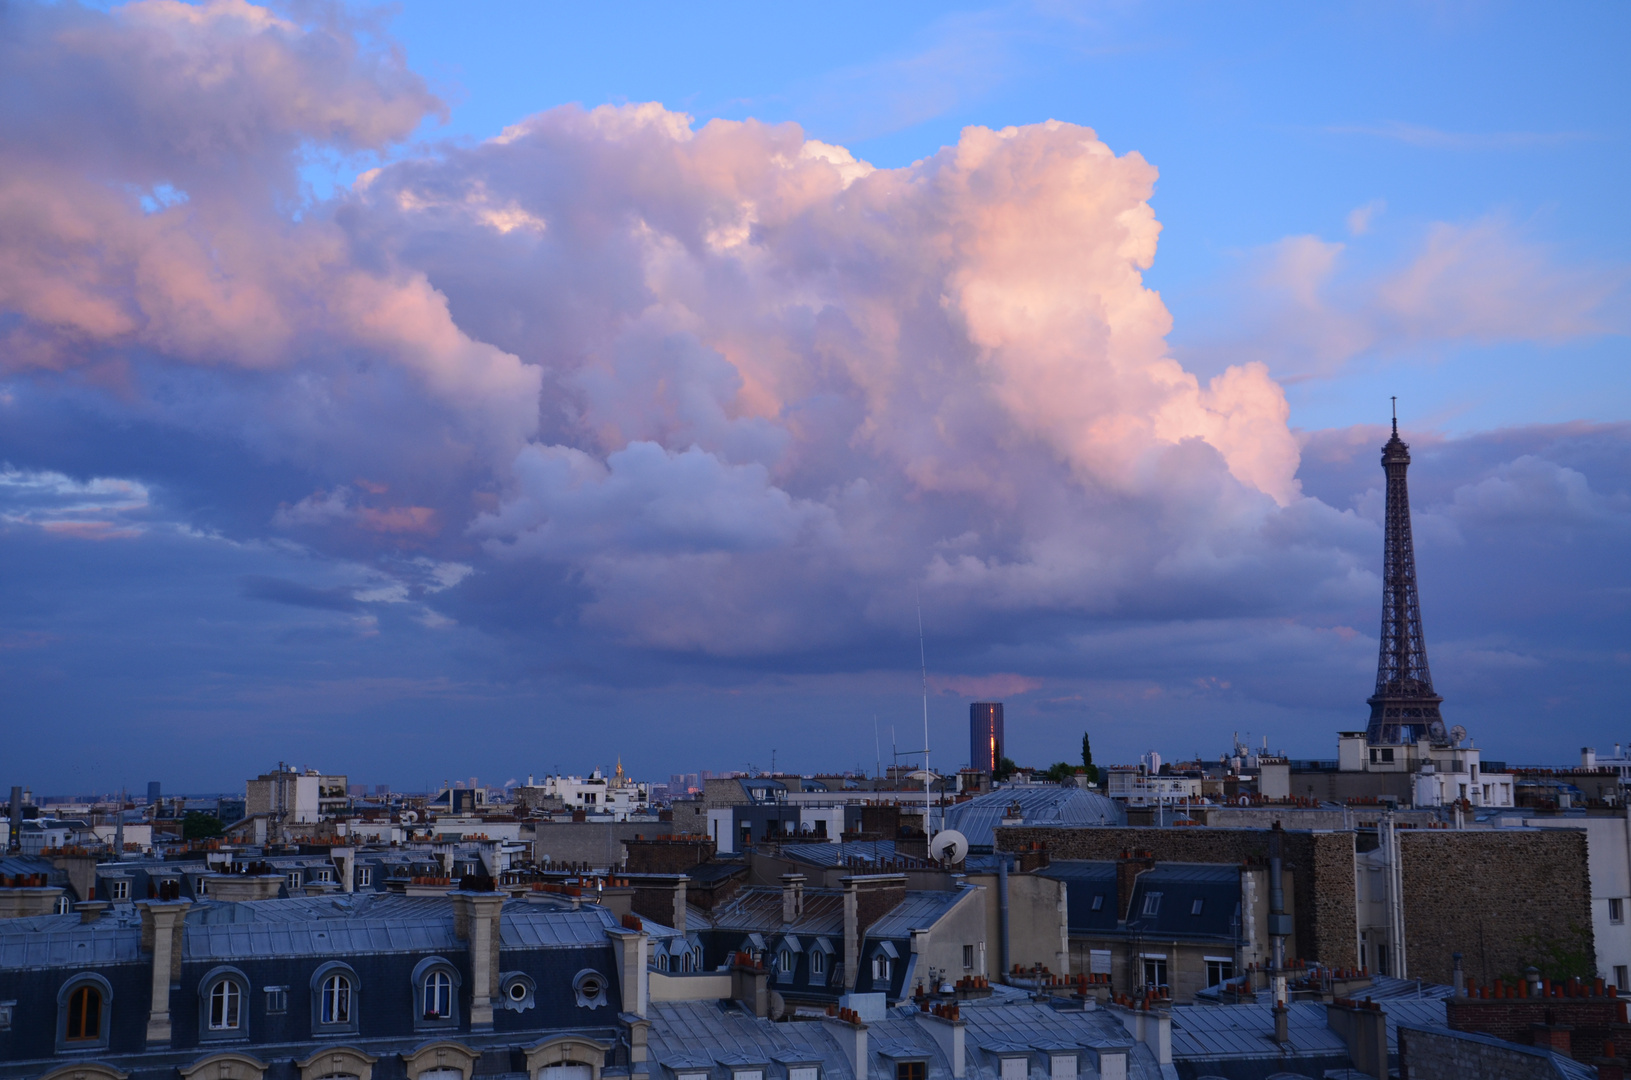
x: 1404, y: 708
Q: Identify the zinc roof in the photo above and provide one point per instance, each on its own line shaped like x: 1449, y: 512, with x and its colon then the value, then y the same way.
x: 1042, y: 804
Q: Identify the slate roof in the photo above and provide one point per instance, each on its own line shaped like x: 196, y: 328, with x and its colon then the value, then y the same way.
x: 919, y: 911
x: 1042, y: 804
x: 696, y: 1034
x: 759, y: 908
x: 1218, y: 1032
x: 1212, y: 888
x: 63, y: 941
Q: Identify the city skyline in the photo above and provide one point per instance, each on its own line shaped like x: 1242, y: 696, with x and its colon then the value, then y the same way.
x: 400, y: 404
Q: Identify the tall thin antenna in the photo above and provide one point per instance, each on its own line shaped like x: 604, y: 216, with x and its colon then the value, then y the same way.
x: 923, y: 659
x: 877, y: 752
x: 1395, y: 401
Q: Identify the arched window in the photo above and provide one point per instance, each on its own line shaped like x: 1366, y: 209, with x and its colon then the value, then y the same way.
x: 226, y: 1006
x: 437, y: 996
x: 84, y: 1014
x: 223, y: 1004
x: 662, y: 961
x: 435, y: 993
x: 688, y: 961
x: 84, y: 1008
x: 334, y: 1004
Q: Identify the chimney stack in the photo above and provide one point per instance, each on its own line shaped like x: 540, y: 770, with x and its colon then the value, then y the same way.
x: 1128, y: 867
x: 792, y: 897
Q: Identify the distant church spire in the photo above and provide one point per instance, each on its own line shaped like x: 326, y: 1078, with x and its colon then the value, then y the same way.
x: 1404, y: 708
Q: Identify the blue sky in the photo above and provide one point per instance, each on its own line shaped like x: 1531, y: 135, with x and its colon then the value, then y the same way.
x: 339, y: 426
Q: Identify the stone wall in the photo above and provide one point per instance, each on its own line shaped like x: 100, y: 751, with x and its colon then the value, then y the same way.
x: 1321, y: 866
x: 1503, y: 898
x: 1439, y: 1055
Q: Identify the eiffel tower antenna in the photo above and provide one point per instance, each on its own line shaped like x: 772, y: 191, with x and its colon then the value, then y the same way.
x: 1404, y: 708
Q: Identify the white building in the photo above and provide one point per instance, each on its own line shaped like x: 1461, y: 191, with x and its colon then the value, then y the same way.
x: 292, y: 797
x: 1442, y: 774
x: 617, y: 795
x: 1134, y: 786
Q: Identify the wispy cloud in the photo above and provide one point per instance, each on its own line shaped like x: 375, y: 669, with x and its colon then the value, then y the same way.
x: 1439, y: 139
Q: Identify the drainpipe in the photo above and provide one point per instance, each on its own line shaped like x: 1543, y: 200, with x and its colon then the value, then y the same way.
x: 1279, y: 927
x: 1002, y: 909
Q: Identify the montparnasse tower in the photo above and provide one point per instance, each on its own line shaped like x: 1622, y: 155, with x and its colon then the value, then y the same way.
x: 1404, y: 708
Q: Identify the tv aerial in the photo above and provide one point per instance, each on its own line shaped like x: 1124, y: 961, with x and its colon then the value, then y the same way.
x: 949, y: 845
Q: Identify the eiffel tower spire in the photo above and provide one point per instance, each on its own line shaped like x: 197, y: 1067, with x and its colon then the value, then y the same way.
x: 1404, y: 708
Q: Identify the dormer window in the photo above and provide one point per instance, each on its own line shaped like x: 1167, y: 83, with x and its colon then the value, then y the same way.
x: 1152, y: 904
x: 1098, y: 902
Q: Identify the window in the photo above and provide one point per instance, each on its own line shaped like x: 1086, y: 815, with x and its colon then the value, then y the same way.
x: 1098, y: 902
x: 968, y: 958
x: 804, y: 1072
x: 1152, y: 904
x: 590, y: 987
x: 880, y: 968
x: 1015, y: 1068
x: 1155, y: 971
x: 1062, y: 1066
x: 201, y: 887
x: 818, y: 963
x: 325, y: 875
x: 438, y: 996
x: 1616, y: 910
x: 64, y: 906
x: 662, y: 961
x: 1195, y: 908
x: 225, y: 1006
x: 365, y: 876
x: 84, y: 1005
x: 277, y: 999
x: 911, y: 1070
x: 119, y: 888
x: 294, y: 879
x: 1621, y: 981
x: 516, y: 991
x: 1219, y: 970
x: 1387, y: 756
x: 84, y: 1014
x: 334, y: 1004
x: 784, y: 961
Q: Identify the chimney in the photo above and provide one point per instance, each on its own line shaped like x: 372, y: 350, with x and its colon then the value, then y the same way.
x: 163, y: 927
x: 792, y: 897
x: 1128, y: 867
x: 849, y: 1033
x: 476, y: 920
x: 867, y: 898
x: 1588, y: 758
x: 91, y: 910
x: 1552, y: 1036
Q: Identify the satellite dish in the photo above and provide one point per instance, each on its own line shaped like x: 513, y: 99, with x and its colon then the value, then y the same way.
x: 1457, y: 733
x: 950, y: 845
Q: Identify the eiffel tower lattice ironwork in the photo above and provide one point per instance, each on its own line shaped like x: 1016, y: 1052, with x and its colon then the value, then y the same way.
x: 1404, y: 708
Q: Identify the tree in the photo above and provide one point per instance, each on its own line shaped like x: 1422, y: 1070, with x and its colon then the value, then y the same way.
x: 197, y: 825
x: 1088, y: 767
x: 1060, y: 771
x: 1005, y: 769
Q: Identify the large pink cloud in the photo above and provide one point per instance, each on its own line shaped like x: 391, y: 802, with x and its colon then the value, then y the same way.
x: 748, y: 393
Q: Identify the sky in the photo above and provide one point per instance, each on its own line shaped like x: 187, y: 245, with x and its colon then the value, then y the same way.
x: 428, y: 391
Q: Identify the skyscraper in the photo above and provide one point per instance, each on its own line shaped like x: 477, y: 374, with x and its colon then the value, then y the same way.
x: 1404, y: 708
x: 985, y: 735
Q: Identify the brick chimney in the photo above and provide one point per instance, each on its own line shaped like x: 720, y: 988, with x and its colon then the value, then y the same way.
x: 1552, y: 1036
x: 1128, y: 867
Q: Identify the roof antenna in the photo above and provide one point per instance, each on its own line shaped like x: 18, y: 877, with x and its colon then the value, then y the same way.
x: 1395, y: 415
x: 923, y: 659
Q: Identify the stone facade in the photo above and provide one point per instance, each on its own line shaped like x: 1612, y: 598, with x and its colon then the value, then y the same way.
x: 1444, y: 1055
x: 1500, y: 897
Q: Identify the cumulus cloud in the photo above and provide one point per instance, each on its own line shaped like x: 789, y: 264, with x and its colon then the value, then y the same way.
x: 719, y: 393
